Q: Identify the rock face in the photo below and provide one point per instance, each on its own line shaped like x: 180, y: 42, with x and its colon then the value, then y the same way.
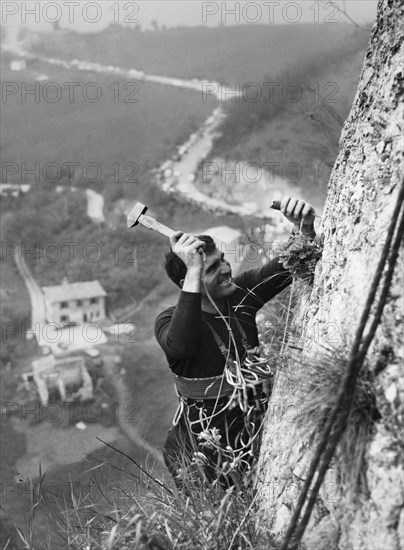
x: 362, y: 194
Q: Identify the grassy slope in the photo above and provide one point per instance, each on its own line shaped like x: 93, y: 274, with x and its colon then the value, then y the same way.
x: 304, y: 132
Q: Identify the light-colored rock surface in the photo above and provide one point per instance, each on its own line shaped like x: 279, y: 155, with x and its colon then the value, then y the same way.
x: 362, y: 195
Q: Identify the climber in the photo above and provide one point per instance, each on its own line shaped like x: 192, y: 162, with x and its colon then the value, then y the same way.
x: 208, y: 338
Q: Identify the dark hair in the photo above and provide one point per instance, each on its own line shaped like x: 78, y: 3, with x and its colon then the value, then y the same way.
x: 176, y: 268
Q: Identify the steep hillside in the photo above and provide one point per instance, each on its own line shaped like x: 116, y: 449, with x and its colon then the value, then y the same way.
x: 289, y: 126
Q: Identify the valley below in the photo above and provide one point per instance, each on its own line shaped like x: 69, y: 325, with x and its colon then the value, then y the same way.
x: 173, y: 152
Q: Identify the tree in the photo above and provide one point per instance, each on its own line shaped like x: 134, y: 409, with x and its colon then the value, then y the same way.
x: 364, y: 190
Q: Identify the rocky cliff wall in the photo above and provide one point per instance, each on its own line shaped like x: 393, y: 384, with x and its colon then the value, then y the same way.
x: 362, y: 194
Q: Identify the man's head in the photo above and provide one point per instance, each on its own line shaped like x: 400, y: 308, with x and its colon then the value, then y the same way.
x: 216, y: 275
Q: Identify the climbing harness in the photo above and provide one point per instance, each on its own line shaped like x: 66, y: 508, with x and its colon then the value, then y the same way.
x: 245, y: 383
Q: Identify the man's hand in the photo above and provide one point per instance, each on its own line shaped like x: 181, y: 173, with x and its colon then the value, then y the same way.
x: 300, y: 213
x: 189, y: 249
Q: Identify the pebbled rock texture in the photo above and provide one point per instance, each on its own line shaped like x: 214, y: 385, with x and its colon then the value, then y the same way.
x: 362, y: 194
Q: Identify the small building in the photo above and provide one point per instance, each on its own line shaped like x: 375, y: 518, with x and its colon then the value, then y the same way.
x: 74, y: 302
x: 66, y: 378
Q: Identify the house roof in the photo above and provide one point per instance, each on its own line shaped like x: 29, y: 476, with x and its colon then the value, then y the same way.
x: 73, y: 291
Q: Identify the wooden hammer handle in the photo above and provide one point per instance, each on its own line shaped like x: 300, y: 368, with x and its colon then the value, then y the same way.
x: 151, y: 223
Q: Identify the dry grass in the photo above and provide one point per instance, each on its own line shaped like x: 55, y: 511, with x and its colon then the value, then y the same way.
x: 319, y: 383
x: 156, y: 516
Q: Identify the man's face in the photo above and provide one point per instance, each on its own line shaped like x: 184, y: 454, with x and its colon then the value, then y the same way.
x: 216, y: 279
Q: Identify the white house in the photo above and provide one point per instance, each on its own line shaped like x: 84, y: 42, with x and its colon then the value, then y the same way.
x: 74, y: 302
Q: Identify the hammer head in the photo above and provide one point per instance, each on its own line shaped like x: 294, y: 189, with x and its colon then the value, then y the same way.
x: 138, y: 210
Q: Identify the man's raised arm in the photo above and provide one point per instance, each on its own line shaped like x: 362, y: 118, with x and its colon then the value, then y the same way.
x: 266, y: 282
x: 179, y: 333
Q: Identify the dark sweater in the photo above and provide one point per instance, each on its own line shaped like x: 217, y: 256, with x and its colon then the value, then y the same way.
x: 185, y: 337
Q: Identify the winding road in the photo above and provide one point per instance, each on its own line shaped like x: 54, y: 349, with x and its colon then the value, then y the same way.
x: 194, y: 150
x: 191, y: 153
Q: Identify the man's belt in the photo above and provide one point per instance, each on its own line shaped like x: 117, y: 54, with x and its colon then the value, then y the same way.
x: 203, y: 388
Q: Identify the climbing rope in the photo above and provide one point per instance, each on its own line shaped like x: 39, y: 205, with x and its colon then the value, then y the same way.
x: 247, y: 375
x: 335, y: 425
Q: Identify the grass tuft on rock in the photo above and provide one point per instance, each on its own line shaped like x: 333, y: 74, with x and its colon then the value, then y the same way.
x: 319, y: 381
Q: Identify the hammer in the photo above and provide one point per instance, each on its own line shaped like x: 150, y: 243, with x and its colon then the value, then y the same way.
x: 138, y: 215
